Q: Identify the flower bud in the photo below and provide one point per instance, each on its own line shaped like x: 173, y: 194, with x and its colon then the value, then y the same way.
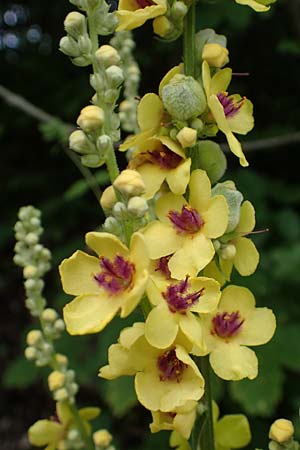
x: 184, y: 97
x: 111, y: 225
x: 197, y: 124
x: 30, y: 353
x: 216, y: 244
x: 107, y: 55
x: 79, y: 142
x: 59, y: 325
x: 119, y: 210
x: 85, y: 44
x: 102, y: 438
x: 103, y: 143
x: 234, y: 199
x: 137, y: 206
x: 68, y: 46
x: 129, y: 182
x: 61, y: 395
x: 108, y: 198
x: 92, y: 160
x: 62, y: 360
x: 228, y: 252
x: 75, y: 24
x: 34, y: 337
x: 179, y: 10
x: 162, y: 26
x: 281, y: 430
x: 211, y: 158
x: 30, y: 271
x: 215, y: 54
x: 31, y: 239
x: 115, y: 76
x: 49, y: 315
x: 187, y: 137
x: 91, y: 118
x: 56, y: 380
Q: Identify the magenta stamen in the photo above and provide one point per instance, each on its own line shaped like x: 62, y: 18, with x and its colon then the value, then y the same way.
x: 164, y: 158
x: 144, y: 3
x: 115, y: 276
x: 162, y: 266
x: 227, y: 325
x: 230, y: 107
x: 187, y: 221
x: 170, y: 367
x: 178, y: 297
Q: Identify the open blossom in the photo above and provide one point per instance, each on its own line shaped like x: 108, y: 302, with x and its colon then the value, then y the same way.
x: 134, y: 13
x: 113, y: 281
x: 177, y: 305
x: 185, y: 228
x: 234, y: 325
x: 242, y: 253
x: 164, y: 379
x: 162, y: 159
x: 232, y: 113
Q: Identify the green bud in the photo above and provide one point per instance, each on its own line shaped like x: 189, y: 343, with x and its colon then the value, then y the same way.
x: 85, y: 44
x: 184, y: 97
x: 212, y: 159
x: 137, y: 206
x: 80, y: 143
x: 68, y: 46
x: 75, y: 24
x: 115, y: 76
x: 104, y: 143
x: 228, y: 252
x: 179, y: 10
x: 197, y: 124
x: 92, y: 161
x: 107, y: 55
x: 30, y: 353
x: 81, y: 61
x: 31, y: 239
x: 97, y: 82
x: 119, y: 210
x: 234, y: 199
x: 49, y: 315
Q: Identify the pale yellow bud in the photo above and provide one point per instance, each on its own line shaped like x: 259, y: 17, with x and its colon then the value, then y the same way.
x: 161, y: 26
x: 79, y: 142
x: 107, y: 55
x: 91, y: 118
x: 56, y: 380
x: 49, y: 315
x: 125, y: 106
x: 102, y: 438
x: 62, y: 360
x: 30, y: 353
x: 75, y: 24
x: 215, y: 54
x: 108, y: 198
x: 228, y: 252
x: 130, y: 182
x: 281, y: 430
x: 137, y: 206
x: 30, y: 271
x: 187, y: 137
x: 34, y: 337
x: 61, y: 395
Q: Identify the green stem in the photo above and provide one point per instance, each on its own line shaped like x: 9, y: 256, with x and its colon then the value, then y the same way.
x: 189, y: 45
x: 206, y: 436
x: 112, y: 165
x: 81, y: 428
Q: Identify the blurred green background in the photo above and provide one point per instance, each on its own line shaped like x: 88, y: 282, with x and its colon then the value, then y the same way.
x: 35, y: 170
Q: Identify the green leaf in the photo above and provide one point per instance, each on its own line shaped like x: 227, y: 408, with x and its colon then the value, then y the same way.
x: 120, y: 395
x: 80, y: 187
x: 287, y: 346
x: 20, y: 374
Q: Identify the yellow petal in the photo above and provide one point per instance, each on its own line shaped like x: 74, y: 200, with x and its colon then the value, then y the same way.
x: 210, y: 296
x: 138, y: 252
x: 105, y: 244
x: 129, y: 335
x: 90, y: 313
x: 77, y: 274
x: 137, y: 139
x: 44, y: 432
x: 150, y: 110
x: 231, y: 361
x: 161, y: 239
x: 212, y: 271
x: 133, y: 297
x: 89, y: 413
x: 168, y: 77
x: 172, y: 145
x: 237, y: 298
x: 247, y: 218
x: 200, y: 190
x: 216, y: 217
x: 242, y: 122
x: 128, y: 20
x: 169, y: 202
x: 206, y: 78
x: 191, y: 328
x: 258, y: 7
x: 220, y: 81
x: 153, y: 177
x: 156, y: 335
x: 178, y: 178
x: 246, y: 258
x: 120, y: 363
x: 258, y: 328
x: 218, y: 113
x: 236, y: 148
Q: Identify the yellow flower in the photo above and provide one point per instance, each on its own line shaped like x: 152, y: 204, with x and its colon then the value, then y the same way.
x: 113, y: 281
x: 231, y: 431
x: 159, y: 159
x: 281, y: 430
x: 242, y: 253
x: 178, y: 441
x: 53, y: 432
x: 174, y: 305
x: 233, y: 114
x: 257, y: 5
x: 181, y: 419
x: 235, y: 324
x: 185, y: 229
x: 134, y: 13
x: 160, y: 375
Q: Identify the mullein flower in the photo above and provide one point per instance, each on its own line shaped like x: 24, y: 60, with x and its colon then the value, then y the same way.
x: 231, y: 431
x: 134, y: 13
x: 182, y: 419
x: 53, y: 432
x: 160, y: 375
x: 161, y: 159
x: 113, y: 281
x: 232, y: 113
x: 185, y: 229
x: 234, y: 325
x: 175, y: 304
x: 238, y: 251
x: 257, y: 5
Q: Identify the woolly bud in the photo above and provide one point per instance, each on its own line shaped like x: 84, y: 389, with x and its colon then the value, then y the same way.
x: 49, y: 315
x: 75, y: 24
x: 56, y: 380
x: 30, y: 271
x: 228, y: 252
x: 108, y: 198
x: 79, y: 142
x: 137, y: 206
x: 115, y: 76
x: 91, y: 118
x: 61, y: 360
x: 179, y: 10
x: 162, y: 26
x: 68, y: 46
x: 187, y: 137
x: 234, y: 199
x: 102, y: 438
x: 61, y: 395
x: 281, y: 430
x: 31, y: 239
x: 107, y: 55
x: 184, y: 97
x: 211, y: 158
x: 215, y: 54
x: 130, y: 182
x: 34, y: 337
x: 30, y: 353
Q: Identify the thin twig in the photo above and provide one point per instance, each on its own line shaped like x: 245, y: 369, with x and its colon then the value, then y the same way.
x: 268, y: 143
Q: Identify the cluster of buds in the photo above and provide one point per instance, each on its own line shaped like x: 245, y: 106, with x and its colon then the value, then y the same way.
x: 105, y: 21
x: 281, y: 436
x: 62, y: 384
x: 124, y: 201
x: 170, y: 25
x: 39, y: 349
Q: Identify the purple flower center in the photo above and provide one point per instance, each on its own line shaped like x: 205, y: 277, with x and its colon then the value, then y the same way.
x: 162, y: 266
x: 170, y: 367
x: 187, y: 221
x: 163, y: 157
x: 144, y: 3
x: 231, y: 108
x: 227, y: 325
x: 115, y: 276
x: 179, y: 298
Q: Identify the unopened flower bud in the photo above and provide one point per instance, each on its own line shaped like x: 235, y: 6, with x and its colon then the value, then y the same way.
x: 115, y: 76
x: 111, y: 225
x: 162, y: 26
x: 211, y: 159
x: 187, y: 137
x: 102, y: 438
x: 184, y: 97
x: 49, y: 315
x: 59, y: 325
x: 30, y: 353
x: 107, y: 55
x: 179, y: 10
x: 125, y: 106
x: 197, y: 124
x: 215, y: 54
x: 104, y: 142
x: 68, y: 46
x: 30, y: 271
x: 31, y: 239
x: 34, y: 337
x: 75, y: 24
x: 217, y: 245
x: 281, y: 430
x: 119, y: 210
x: 91, y: 118
x: 137, y: 206
x: 108, y: 198
x: 56, y: 380
x: 62, y: 360
x: 84, y: 45
x: 61, y: 395
x: 79, y: 142
x: 130, y: 182
x: 228, y: 252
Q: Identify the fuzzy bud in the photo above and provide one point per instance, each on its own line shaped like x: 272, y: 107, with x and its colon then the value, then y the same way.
x: 91, y: 118
x: 62, y: 360
x: 75, y: 24
x: 104, y: 142
x: 68, y: 46
x: 162, y: 26
x: 184, y: 97
x: 130, y: 182
x: 187, y: 137
x: 119, y: 210
x: 228, y: 252
x: 30, y: 353
x: 49, y: 315
x: 115, y: 76
x: 56, y: 380
x: 137, y: 206
x: 34, y: 337
x: 30, y: 271
x: 111, y: 225
x: 179, y: 10
x: 107, y: 56
x: 281, y: 430
x: 215, y: 54
x: 79, y: 142
x: 102, y: 438
x: 211, y: 158
x: 234, y: 199
x: 61, y: 395
x: 108, y: 198
x: 31, y: 239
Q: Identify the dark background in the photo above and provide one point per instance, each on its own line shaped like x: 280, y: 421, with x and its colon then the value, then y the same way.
x: 35, y: 170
